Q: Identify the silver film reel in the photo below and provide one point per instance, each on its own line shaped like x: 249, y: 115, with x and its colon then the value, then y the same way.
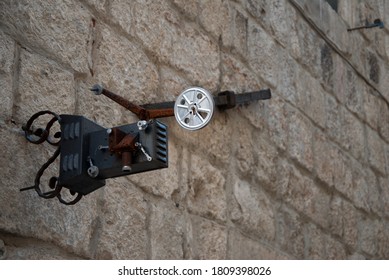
x: 194, y: 108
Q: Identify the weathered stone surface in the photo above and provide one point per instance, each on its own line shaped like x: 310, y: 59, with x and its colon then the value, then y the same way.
x: 124, y: 68
x: 354, y: 136
x: 322, y: 246
x: 244, y: 248
x: 303, y: 175
x: 344, y: 221
x: 61, y: 28
x: 264, y: 54
x: 277, y: 122
x: 371, y: 102
x: 120, y: 229
x: 214, y: 139
x: 43, y: 85
x: 188, y: 8
x: 208, y: 239
x: 335, y: 250
x: 167, y: 229
x: 7, y: 56
x: 122, y: 13
x: 245, y: 158
x: 173, y: 41
x: 252, y: 211
x: 383, y: 241
x: 334, y: 119
x: 305, y: 196
x: 384, y: 196
x: 266, y: 156
x: 237, y: 76
x: 99, y: 5
x: 256, y: 156
x: 172, y: 84
x: 309, y: 48
x: 364, y: 192
x: 206, y: 195
x: 328, y: 160
x: 20, y: 248
x: 354, y: 97
x: 376, y: 152
x: 216, y: 23
x: 383, y: 124
x: 300, y: 139
x: 368, y: 235
x: 315, y: 243
x: 311, y: 97
x: 290, y: 232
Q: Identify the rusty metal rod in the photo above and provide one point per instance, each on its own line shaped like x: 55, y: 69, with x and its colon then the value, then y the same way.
x: 136, y: 109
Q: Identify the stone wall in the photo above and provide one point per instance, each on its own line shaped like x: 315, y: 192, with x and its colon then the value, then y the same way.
x: 301, y: 176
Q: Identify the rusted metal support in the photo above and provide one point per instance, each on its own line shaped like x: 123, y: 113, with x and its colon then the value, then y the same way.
x: 224, y: 100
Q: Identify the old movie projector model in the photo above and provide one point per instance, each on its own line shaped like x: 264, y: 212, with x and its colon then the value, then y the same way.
x: 91, y: 153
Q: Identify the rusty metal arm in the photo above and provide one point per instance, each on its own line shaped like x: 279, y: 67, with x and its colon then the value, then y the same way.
x: 139, y: 111
x: 224, y: 100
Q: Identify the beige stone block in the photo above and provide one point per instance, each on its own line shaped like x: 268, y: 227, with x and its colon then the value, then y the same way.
x: 376, y: 152
x: 327, y: 159
x: 20, y: 248
x: 370, y: 103
x: 237, y: 76
x: 61, y: 28
x: 189, y: 8
x: 167, y: 230
x: 120, y: 230
x: 122, y: 67
x: 253, y: 211
x: 99, y: 5
x: 266, y: 156
x: 217, y: 23
x: 368, y: 235
x: 302, y: 193
x: 206, y: 195
x: 208, y: 240
x: 344, y: 221
x: 309, y: 48
x: 335, y: 250
x: 334, y: 119
x: 243, y: 248
x: 43, y: 85
x: 172, y: 40
x: 277, y: 122
x: 264, y: 55
x: 214, y: 140
x: 315, y: 243
x: 384, y: 197
x: 122, y: 13
x: 364, y: 190
x: 354, y: 136
x: 290, y: 232
x: 383, y: 124
x: 172, y: 84
x: 300, y: 139
x: 7, y: 55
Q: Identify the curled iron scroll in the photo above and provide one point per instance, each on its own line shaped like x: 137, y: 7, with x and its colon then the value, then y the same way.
x: 38, y: 136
